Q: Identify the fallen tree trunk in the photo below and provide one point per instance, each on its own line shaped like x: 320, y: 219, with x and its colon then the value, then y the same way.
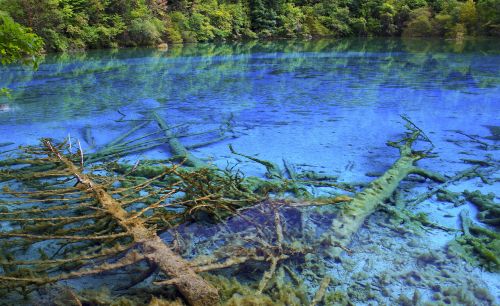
x: 352, y: 216
x: 193, y: 287
x: 177, y: 149
x: 182, y: 273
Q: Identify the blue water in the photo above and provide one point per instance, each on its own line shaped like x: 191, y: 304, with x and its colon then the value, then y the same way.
x: 301, y: 97
x: 252, y: 78
x: 325, y: 105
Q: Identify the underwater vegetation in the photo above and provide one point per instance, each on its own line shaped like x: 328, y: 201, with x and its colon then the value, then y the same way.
x: 180, y: 230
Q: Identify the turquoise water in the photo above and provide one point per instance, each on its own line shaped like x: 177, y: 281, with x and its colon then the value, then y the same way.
x: 243, y: 78
x: 328, y: 93
x: 326, y: 105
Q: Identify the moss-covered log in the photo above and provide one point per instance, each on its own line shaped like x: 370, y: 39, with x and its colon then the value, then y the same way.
x: 351, y: 217
x: 477, y: 245
x: 489, y: 210
x: 176, y: 147
x: 193, y: 287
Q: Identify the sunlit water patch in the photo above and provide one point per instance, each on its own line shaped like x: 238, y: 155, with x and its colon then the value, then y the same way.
x: 328, y: 106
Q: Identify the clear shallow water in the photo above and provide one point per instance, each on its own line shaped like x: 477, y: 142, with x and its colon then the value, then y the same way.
x: 244, y: 78
x: 301, y: 97
x: 327, y: 105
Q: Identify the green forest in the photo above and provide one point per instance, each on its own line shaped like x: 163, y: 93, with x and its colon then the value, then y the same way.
x: 66, y: 25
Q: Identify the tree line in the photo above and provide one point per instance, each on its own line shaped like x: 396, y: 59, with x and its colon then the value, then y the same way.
x: 82, y: 24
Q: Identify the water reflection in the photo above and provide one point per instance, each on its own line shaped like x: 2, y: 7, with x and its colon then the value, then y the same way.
x: 242, y: 76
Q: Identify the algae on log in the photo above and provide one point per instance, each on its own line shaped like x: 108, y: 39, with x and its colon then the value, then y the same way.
x: 489, y: 210
x: 175, y: 145
x: 477, y: 245
x: 193, y: 287
x: 352, y: 216
x: 272, y: 170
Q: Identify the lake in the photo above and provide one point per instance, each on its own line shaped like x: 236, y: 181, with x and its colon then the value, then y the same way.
x: 328, y: 106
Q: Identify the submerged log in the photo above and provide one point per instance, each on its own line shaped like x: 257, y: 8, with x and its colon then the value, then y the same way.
x: 193, y: 287
x: 352, y: 216
x: 205, y: 191
x: 176, y: 147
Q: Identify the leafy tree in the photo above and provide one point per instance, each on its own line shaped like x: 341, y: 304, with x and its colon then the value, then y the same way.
x: 414, y: 4
x: 358, y: 26
x: 263, y: 18
x: 17, y: 43
x: 79, y: 24
x: 443, y: 24
x: 468, y: 15
x: 488, y: 13
x: 419, y: 24
x: 292, y: 21
x: 387, y: 12
x: 313, y: 25
x: 401, y: 17
x: 240, y: 21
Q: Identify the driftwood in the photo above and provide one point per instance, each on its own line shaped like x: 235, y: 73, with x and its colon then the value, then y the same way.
x: 477, y: 244
x: 318, y: 297
x: 70, y: 211
x: 346, y: 223
x: 127, y: 143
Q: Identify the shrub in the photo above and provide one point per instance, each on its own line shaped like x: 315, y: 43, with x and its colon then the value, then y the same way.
x: 145, y: 31
x: 292, y: 21
x: 358, y: 26
x: 419, y: 24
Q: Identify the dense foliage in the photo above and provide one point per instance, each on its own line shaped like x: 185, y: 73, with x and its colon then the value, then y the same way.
x: 17, y: 42
x: 79, y: 24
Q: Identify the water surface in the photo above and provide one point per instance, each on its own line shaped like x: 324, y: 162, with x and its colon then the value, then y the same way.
x: 324, y: 105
